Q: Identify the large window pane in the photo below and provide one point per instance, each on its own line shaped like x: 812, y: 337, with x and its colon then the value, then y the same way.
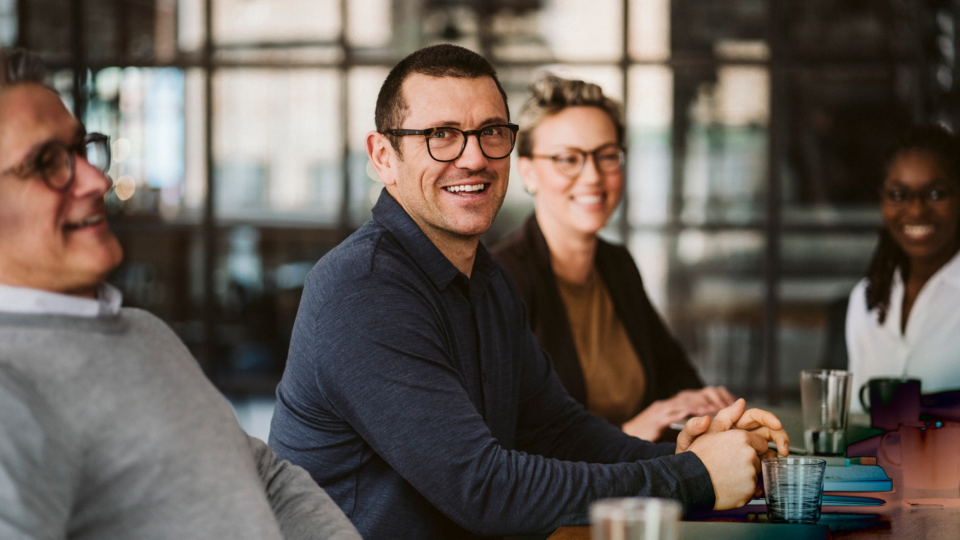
x: 650, y: 29
x: 649, y: 167
x: 577, y: 31
x: 278, y: 145
x: 709, y: 288
x: 369, y: 23
x: 190, y: 25
x: 818, y: 270
x: 842, y: 122
x: 727, y: 29
x: 9, y: 27
x: 45, y: 28
x: 365, y: 185
x: 275, y: 21
x: 195, y: 155
x: 142, y: 110
x: 854, y: 30
x: 724, y: 175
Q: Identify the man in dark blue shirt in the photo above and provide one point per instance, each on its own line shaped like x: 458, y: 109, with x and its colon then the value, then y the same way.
x: 415, y: 392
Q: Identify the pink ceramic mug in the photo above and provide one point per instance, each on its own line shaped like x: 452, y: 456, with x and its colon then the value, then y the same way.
x: 929, y: 453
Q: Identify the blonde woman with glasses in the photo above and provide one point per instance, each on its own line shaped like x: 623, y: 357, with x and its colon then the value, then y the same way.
x: 584, y: 296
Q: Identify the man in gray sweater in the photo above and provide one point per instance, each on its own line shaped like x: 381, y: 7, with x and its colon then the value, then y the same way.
x: 108, y: 428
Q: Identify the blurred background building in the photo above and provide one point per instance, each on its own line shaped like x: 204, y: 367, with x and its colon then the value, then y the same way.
x: 756, y: 130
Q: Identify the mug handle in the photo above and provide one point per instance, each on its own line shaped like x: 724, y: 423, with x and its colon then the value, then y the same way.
x: 863, y: 402
x: 883, y: 450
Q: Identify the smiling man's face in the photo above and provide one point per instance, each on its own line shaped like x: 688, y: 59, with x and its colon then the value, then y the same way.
x: 452, y: 202
x: 49, y: 240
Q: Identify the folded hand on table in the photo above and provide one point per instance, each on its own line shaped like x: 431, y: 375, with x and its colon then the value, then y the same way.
x: 651, y: 422
x: 730, y: 447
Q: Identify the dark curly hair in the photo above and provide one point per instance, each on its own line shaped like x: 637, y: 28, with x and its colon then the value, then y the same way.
x: 888, y: 256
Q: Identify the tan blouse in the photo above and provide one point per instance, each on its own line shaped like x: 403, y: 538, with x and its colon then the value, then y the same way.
x: 611, y: 368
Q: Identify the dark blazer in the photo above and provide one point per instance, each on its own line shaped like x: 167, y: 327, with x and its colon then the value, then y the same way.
x: 526, y: 257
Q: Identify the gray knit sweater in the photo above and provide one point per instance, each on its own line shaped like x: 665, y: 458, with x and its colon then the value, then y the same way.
x: 108, y: 429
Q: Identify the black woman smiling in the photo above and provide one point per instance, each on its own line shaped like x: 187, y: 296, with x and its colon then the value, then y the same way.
x: 903, y: 317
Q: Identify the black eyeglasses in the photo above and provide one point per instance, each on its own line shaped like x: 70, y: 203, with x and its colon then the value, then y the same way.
x: 607, y: 159
x: 446, y: 144
x: 54, y: 161
x: 903, y: 197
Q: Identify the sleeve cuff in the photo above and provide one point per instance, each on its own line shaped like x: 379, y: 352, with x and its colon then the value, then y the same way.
x: 693, y: 482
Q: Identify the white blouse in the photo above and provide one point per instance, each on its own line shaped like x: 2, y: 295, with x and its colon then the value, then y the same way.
x: 928, y: 350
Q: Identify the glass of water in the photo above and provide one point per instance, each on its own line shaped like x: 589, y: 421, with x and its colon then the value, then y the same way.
x: 825, y: 395
x: 794, y: 488
x: 635, y: 518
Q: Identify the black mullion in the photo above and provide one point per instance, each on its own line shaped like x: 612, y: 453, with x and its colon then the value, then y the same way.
x: 776, y: 135
x: 208, y: 227
x: 624, y: 225
x: 79, y: 60
x: 343, y: 68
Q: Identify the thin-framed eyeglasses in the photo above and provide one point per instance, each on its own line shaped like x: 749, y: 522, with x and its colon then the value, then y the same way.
x: 445, y: 144
x: 54, y: 161
x: 930, y: 196
x: 607, y: 159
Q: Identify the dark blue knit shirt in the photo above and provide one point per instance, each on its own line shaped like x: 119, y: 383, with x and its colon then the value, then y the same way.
x: 420, y: 400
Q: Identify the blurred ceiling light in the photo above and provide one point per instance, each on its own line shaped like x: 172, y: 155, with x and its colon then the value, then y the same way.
x: 125, y: 187
x: 121, y: 149
x: 108, y: 83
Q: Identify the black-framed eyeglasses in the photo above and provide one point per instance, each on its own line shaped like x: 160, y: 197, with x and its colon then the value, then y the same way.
x: 446, y: 144
x: 54, y: 161
x: 607, y: 159
x: 930, y: 196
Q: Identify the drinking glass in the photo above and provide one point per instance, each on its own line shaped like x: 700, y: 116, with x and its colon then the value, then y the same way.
x: 825, y: 396
x: 794, y: 488
x: 635, y: 518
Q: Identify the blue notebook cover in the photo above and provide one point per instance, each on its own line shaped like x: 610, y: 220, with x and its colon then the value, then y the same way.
x: 856, y: 478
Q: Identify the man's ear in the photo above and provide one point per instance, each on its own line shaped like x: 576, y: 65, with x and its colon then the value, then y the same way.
x: 383, y: 157
x: 528, y: 174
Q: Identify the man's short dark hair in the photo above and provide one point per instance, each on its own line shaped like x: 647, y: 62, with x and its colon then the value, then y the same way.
x: 443, y: 60
x: 20, y: 66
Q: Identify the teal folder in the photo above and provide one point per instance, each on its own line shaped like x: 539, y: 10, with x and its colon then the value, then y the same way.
x: 856, y: 478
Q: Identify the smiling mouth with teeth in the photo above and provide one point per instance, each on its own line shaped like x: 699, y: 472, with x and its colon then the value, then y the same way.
x: 917, y: 231
x: 588, y: 199
x: 469, y: 188
x: 89, y: 222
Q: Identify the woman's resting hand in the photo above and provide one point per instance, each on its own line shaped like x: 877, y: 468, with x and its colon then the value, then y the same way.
x: 651, y: 422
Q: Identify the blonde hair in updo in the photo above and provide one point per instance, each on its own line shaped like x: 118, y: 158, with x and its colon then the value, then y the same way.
x: 551, y: 94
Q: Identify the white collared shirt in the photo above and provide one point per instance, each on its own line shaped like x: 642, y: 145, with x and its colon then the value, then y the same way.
x: 928, y: 350
x: 37, y: 302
